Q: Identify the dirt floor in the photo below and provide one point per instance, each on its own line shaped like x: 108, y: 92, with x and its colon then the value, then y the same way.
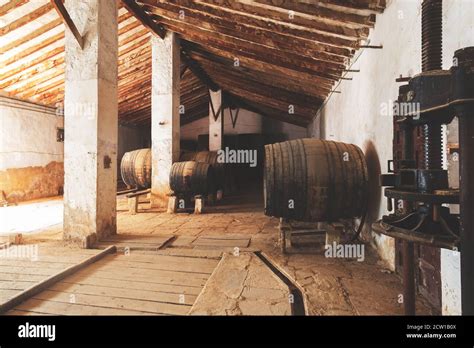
x: 238, y: 227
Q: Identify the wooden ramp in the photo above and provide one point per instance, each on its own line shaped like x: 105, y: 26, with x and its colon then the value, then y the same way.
x: 164, y: 283
x: 135, y: 242
x: 19, y: 274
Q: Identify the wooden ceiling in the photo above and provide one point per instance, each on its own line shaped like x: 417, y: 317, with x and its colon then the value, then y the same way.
x: 269, y: 56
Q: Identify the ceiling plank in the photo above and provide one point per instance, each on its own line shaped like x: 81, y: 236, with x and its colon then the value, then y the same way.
x: 266, y: 61
x: 366, y: 6
x: 31, y: 36
x: 227, y: 25
x: 30, y: 17
x: 11, y: 5
x: 297, y: 81
x: 352, y: 20
x: 275, y: 15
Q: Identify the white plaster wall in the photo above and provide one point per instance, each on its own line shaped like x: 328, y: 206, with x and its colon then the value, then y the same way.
x: 450, y: 282
x: 28, y: 135
x: 247, y: 122
x: 355, y: 115
x: 191, y: 130
x: 450, y: 260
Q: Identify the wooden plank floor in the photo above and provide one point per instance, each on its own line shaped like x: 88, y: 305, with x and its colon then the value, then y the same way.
x: 18, y: 274
x: 164, y: 282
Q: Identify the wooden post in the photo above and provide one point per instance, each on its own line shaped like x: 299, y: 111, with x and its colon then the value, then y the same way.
x: 198, y: 205
x: 172, y: 204
x: 133, y: 205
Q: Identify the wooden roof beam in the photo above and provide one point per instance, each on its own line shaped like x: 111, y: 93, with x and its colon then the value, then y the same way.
x: 68, y: 22
x: 160, y: 31
x: 275, y: 15
x: 297, y: 81
x: 356, y: 6
x: 199, y: 71
x: 322, y: 13
x: 268, y: 91
x: 267, y: 61
x: 143, y: 17
x: 222, y: 22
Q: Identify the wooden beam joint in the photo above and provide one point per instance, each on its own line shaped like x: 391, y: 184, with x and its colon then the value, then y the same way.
x: 68, y: 22
x: 197, y: 70
x: 143, y: 17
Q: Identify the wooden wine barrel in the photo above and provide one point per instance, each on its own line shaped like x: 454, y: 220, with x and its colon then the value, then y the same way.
x: 192, y: 177
x: 135, y: 168
x: 210, y: 157
x: 315, y: 180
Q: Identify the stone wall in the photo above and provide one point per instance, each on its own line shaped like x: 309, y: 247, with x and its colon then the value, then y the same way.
x: 31, y: 158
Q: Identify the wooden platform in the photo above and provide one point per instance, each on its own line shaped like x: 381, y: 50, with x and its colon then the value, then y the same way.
x: 165, y: 282
x: 18, y: 274
x: 135, y: 242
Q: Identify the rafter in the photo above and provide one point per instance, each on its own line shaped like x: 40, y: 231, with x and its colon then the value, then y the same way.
x: 282, y: 60
x: 216, y: 20
x: 141, y: 15
x: 68, y: 22
x: 315, y: 11
x: 276, y: 15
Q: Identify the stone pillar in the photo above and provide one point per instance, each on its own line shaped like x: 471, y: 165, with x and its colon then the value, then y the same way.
x: 216, y: 125
x: 91, y: 122
x: 165, y: 122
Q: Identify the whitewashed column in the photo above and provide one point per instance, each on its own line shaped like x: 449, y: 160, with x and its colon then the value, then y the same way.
x: 91, y: 122
x: 165, y: 121
x: 216, y: 125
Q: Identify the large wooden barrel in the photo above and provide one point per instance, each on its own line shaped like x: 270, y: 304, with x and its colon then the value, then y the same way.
x: 315, y: 180
x: 135, y: 168
x: 192, y: 177
x: 210, y: 157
